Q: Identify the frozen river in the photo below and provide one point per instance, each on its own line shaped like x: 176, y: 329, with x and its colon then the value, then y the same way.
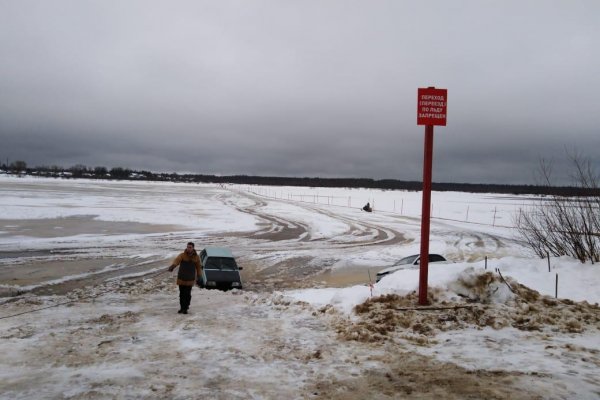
x: 56, y: 234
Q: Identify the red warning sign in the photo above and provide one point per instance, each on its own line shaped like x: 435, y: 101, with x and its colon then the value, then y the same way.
x: 431, y: 106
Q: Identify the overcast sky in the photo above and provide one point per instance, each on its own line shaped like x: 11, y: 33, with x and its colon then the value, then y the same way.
x: 300, y: 88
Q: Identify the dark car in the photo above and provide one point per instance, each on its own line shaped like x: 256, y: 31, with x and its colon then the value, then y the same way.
x: 219, y: 269
x: 406, y: 261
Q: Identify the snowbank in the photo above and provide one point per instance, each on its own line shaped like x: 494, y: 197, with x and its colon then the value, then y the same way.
x: 578, y: 282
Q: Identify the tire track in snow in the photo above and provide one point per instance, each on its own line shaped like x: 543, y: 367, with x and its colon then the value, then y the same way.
x: 278, y: 228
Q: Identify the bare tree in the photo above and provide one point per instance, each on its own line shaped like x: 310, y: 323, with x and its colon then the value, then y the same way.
x: 565, y: 225
x: 78, y: 170
x: 19, y: 166
x: 100, y: 171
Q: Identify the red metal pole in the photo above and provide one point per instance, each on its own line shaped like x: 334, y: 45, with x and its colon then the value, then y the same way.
x: 425, y: 214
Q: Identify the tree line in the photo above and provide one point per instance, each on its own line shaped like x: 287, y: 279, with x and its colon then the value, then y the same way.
x: 121, y: 173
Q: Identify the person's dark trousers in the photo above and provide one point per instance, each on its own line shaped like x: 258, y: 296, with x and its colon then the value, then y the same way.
x: 185, y: 297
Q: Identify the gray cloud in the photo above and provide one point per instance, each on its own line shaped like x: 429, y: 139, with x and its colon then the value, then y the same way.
x: 299, y: 88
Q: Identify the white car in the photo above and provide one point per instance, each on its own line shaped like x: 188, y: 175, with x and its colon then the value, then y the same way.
x: 410, y: 260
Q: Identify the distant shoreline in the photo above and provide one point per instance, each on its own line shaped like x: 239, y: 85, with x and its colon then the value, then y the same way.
x: 384, y: 184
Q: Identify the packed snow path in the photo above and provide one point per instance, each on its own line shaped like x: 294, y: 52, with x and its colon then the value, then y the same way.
x: 133, y: 344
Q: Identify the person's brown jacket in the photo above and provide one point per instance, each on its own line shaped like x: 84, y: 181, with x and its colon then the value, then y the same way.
x: 195, y: 258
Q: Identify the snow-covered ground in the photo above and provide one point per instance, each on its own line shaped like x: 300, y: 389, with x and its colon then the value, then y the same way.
x: 296, y: 332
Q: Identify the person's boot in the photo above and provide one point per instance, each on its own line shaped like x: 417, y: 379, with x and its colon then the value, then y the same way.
x: 184, y: 311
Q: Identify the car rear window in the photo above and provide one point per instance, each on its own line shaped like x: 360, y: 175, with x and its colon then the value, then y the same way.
x: 408, y: 260
x: 436, y: 258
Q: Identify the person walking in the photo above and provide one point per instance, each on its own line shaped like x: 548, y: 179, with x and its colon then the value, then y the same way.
x: 189, y: 269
